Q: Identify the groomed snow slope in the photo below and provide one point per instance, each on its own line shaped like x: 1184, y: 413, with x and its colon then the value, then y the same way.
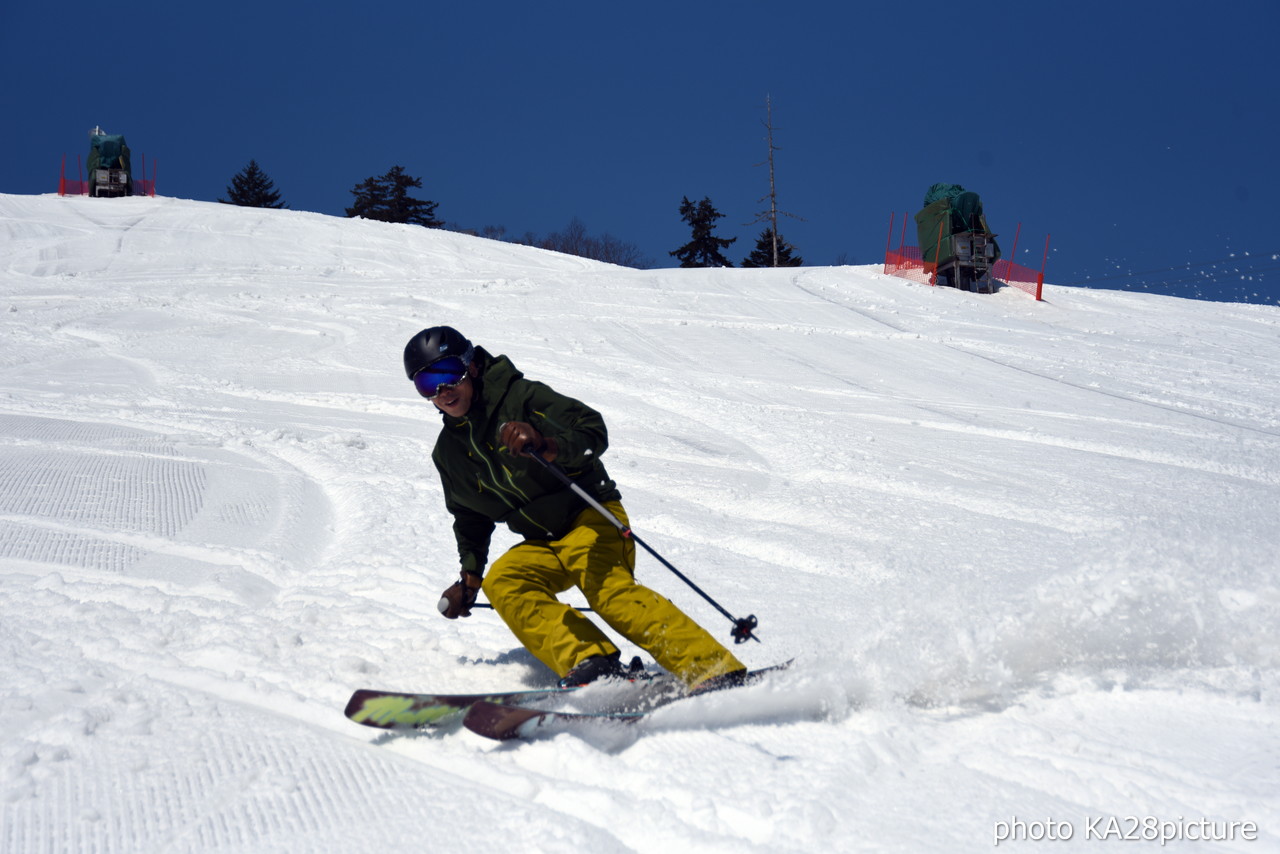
x: 1024, y: 553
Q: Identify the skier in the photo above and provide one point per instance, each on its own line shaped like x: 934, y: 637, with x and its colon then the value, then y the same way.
x: 493, y: 418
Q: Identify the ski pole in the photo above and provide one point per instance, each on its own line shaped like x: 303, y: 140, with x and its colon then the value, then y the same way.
x: 742, y: 628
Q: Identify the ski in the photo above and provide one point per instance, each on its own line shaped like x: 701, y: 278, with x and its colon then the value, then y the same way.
x: 504, y: 722
x: 392, y: 710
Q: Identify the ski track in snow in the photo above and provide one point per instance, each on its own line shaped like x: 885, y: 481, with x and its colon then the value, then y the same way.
x: 1023, y: 553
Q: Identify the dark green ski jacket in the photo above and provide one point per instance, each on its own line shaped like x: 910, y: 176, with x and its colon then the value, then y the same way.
x: 484, y: 485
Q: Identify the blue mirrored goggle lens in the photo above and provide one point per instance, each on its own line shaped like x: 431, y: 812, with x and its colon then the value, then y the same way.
x: 444, y: 373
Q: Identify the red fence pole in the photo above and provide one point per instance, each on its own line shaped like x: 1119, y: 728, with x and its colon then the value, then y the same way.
x: 1013, y: 256
x: 888, y: 242
x: 937, y: 253
x: 1045, y: 260
x: 903, y: 242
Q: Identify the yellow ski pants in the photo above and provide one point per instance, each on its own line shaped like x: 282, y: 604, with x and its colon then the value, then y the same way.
x: 594, y: 557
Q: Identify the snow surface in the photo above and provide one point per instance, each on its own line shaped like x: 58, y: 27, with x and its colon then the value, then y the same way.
x: 1023, y: 553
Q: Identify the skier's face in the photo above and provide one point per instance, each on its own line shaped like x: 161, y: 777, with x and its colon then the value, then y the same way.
x: 456, y: 401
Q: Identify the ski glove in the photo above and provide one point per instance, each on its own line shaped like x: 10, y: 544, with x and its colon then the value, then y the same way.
x: 460, y: 597
x: 519, y: 435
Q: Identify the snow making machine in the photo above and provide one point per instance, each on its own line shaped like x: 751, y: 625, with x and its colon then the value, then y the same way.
x: 110, y: 173
x: 953, y: 235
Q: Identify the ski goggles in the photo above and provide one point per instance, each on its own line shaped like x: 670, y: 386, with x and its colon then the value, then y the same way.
x: 440, y: 376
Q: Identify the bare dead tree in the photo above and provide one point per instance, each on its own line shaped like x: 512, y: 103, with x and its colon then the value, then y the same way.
x: 576, y: 240
x: 771, y: 215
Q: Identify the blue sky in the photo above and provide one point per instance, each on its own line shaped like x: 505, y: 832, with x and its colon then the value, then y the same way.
x: 1140, y: 135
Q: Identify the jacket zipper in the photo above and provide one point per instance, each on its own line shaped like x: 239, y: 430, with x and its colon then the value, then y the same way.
x: 498, y: 488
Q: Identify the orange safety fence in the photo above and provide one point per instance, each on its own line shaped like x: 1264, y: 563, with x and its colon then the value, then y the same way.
x: 77, y: 187
x: 1018, y: 276
x: 907, y: 262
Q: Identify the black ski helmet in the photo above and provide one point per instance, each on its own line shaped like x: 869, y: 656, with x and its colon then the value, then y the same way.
x: 431, y: 345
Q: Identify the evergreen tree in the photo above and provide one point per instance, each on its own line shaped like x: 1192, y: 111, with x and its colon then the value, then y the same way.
x: 762, y: 255
x: 251, y: 188
x: 386, y: 198
x: 703, y: 250
x: 369, y: 199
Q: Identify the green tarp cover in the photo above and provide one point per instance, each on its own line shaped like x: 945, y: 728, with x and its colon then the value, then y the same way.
x: 941, y: 191
x: 953, y: 210
x: 108, y: 151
